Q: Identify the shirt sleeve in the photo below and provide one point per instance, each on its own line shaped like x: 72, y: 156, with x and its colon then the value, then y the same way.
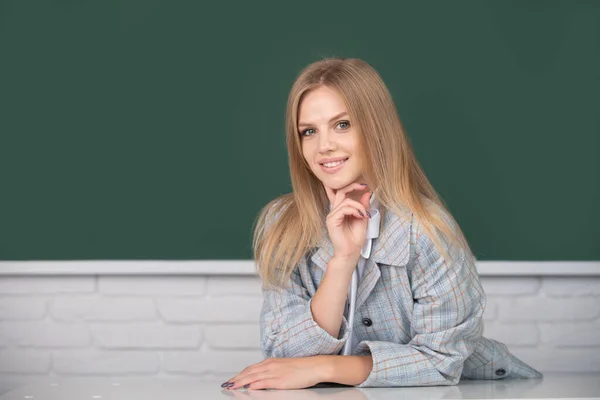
x: 288, y: 328
x: 446, y: 322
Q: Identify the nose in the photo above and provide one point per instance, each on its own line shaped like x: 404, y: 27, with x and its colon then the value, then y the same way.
x: 326, y: 142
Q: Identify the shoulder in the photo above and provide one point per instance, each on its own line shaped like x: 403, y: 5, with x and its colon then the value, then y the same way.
x: 404, y: 236
x: 437, y: 216
x: 429, y: 234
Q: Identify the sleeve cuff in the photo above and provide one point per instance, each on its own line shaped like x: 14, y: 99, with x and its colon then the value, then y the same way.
x: 400, y: 365
x: 319, y: 340
x: 363, y: 349
x: 303, y: 337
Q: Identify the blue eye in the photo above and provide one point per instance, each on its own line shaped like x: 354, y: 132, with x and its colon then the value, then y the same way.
x: 346, y: 123
x: 343, y: 125
x: 303, y: 133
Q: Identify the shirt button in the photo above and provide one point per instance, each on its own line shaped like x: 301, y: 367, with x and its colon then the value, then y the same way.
x: 501, y: 372
x: 367, y: 322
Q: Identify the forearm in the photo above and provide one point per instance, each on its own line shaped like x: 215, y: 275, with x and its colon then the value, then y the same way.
x: 346, y: 370
x: 330, y: 298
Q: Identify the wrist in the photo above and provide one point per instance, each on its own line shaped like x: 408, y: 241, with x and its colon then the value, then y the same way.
x: 326, y: 368
x: 349, y: 370
x: 346, y: 263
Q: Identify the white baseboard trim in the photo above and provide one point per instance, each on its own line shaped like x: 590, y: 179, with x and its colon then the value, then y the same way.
x: 247, y: 267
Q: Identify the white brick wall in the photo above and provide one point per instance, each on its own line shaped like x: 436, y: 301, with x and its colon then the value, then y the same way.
x: 207, y: 327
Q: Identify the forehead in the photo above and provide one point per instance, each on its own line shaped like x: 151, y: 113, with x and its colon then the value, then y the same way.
x: 318, y: 103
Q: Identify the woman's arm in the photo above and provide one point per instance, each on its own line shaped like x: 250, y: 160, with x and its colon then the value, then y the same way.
x: 330, y: 298
x: 288, y: 327
x: 347, y: 370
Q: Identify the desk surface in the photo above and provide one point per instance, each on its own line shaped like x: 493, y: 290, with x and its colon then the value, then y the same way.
x: 552, y: 386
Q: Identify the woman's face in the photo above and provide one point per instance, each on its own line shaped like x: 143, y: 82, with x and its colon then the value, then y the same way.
x: 326, y: 132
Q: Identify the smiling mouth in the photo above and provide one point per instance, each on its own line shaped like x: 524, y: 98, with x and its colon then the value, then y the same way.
x: 334, y: 167
x: 334, y: 164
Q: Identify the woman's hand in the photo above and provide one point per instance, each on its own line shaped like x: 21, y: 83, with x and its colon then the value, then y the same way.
x: 282, y: 373
x: 347, y: 221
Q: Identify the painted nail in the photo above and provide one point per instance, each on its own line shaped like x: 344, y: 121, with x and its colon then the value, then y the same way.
x: 246, y: 386
x: 363, y: 184
x: 361, y: 214
x: 369, y: 214
x: 229, y: 384
x: 224, y: 384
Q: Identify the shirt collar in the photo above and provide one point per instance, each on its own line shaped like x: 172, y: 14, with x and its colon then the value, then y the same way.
x: 375, y: 221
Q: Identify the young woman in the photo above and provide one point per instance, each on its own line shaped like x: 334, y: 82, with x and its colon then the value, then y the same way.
x: 367, y: 278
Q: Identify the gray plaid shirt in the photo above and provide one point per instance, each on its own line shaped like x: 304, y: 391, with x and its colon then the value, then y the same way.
x: 418, y: 316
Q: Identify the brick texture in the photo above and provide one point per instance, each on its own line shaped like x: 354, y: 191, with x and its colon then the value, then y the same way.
x: 207, y: 327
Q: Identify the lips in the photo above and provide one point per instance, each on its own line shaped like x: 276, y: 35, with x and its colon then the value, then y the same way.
x: 333, y: 160
x: 330, y: 160
x: 333, y: 170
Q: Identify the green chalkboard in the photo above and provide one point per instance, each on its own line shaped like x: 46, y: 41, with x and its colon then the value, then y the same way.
x: 147, y: 129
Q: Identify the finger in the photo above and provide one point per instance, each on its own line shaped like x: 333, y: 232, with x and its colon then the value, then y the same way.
x: 255, y: 369
x: 366, y: 200
x: 341, y: 212
x: 248, y: 370
x: 337, y: 196
x: 358, y: 205
x: 266, y: 384
x: 238, y: 376
x: 341, y: 193
x: 251, y: 378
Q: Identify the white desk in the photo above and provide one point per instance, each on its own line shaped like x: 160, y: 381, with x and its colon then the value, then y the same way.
x: 553, y: 386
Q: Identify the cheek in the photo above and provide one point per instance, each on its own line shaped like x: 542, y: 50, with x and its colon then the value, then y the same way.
x: 359, y: 162
x: 307, y: 153
x: 306, y: 158
x: 354, y: 148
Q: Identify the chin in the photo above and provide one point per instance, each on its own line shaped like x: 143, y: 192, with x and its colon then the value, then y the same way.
x: 338, y: 183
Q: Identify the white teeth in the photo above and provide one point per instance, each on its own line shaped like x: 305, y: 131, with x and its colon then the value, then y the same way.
x: 334, y: 164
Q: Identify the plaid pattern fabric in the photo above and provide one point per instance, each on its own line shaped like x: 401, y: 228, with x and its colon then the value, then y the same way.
x: 426, y: 314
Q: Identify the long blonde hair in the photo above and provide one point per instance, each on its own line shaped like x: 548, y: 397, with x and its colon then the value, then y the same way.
x: 291, y: 225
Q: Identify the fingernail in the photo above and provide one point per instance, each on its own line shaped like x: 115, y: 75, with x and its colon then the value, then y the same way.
x: 361, y: 214
x: 224, y: 384
x: 364, y: 184
x: 246, y: 386
x: 229, y: 384
x: 369, y: 214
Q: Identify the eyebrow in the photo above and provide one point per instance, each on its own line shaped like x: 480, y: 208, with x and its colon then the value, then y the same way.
x: 330, y: 121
